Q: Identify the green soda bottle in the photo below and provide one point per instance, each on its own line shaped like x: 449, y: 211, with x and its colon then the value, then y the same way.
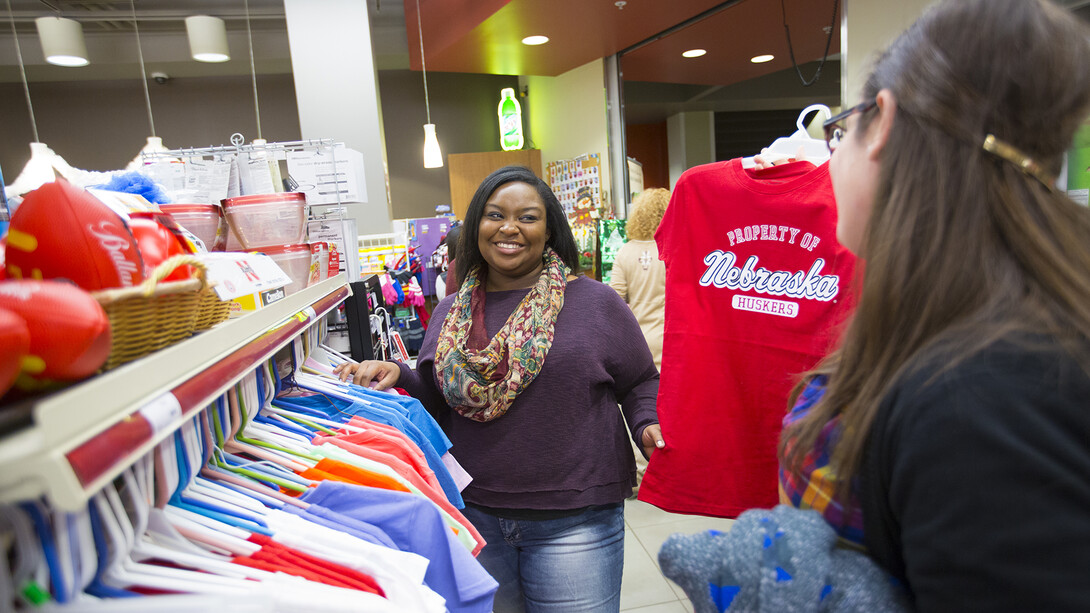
x: 510, y: 114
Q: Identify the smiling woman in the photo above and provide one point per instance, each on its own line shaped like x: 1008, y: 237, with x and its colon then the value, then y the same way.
x: 511, y: 236
x: 525, y: 373
x: 502, y: 208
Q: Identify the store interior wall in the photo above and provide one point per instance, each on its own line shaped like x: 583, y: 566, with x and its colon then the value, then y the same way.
x: 102, y: 125
x: 463, y: 109
x: 568, y: 116
x: 867, y: 29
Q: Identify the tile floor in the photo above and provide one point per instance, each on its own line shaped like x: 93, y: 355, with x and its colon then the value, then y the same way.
x: 643, y: 588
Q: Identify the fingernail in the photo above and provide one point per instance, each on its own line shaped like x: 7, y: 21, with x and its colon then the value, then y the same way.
x: 660, y: 444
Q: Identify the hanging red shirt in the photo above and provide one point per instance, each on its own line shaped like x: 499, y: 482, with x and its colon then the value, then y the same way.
x: 757, y: 290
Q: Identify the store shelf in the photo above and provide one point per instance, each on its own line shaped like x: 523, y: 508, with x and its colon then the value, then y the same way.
x: 84, y: 436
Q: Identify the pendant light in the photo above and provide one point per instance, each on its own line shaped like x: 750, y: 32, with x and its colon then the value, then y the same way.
x: 154, y: 143
x: 433, y: 156
x: 38, y: 170
x: 62, y: 41
x: 253, y: 71
x: 207, y: 38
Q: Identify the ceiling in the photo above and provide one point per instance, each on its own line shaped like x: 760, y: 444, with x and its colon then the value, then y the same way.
x: 484, y: 36
x: 488, y: 38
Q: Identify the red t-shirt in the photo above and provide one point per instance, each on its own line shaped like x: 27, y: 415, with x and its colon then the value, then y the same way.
x: 757, y: 289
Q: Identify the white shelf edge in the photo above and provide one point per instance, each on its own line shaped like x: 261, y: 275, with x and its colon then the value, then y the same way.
x: 33, y: 459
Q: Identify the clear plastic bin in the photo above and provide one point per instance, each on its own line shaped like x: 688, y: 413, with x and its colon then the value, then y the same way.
x: 205, y: 221
x: 267, y: 220
x: 294, y: 260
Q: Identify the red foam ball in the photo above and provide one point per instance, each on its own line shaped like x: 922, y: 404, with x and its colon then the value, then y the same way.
x: 63, y: 232
x: 14, y: 346
x: 158, y: 244
x: 69, y: 331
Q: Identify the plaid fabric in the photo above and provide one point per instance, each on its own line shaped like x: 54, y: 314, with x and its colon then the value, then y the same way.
x: 813, y: 487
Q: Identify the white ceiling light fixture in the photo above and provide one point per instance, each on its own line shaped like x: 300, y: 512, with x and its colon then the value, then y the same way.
x: 433, y: 155
x: 207, y: 38
x: 694, y: 53
x: 761, y: 59
x: 62, y: 41
x: 535, y: 40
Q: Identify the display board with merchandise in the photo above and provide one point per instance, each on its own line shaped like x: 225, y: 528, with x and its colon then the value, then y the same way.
x: 577, y: 185
x: 575, y: 180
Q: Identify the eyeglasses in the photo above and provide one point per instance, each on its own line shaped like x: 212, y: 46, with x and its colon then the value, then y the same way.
x: 834, y: 132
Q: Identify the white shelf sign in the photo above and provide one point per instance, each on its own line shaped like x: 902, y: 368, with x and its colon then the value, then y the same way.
x: 162, y: 412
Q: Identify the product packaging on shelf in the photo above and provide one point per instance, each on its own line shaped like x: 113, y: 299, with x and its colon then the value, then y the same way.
x: 251, y: 281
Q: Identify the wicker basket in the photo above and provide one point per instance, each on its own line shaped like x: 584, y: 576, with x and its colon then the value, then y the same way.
x: 156, y: 314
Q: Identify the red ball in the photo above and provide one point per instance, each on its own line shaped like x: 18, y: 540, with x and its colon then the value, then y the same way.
x: 158, y: 244
x: 63, y: 232
x: 14, y: 346
x: 69, y: 331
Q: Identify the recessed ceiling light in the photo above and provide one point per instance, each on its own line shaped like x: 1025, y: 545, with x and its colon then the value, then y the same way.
x: 761, y: 59
x: 535, y: 40
x: 694, y: 53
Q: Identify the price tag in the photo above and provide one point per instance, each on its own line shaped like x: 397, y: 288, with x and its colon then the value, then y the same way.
x: 162, y: 412
x: 305, y: 315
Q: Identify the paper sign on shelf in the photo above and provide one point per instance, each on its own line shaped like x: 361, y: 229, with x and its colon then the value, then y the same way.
x: 171, y: 175
x: 329, y: 176
x: 208, y: 181
x: 255, y: 176
x: 239, y: 274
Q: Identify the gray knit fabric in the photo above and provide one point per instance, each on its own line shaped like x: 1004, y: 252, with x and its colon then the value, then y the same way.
x: 779, y: 561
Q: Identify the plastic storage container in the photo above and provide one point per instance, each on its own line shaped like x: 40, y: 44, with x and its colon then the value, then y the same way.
x: 294, y: 260
x: 267, y: 220
x: 205, y: 221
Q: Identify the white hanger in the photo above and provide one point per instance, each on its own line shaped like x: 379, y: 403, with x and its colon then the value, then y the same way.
x: 122, y: 571
x: 27, y: 554
x: 172, y: 546
x: 814, y: 150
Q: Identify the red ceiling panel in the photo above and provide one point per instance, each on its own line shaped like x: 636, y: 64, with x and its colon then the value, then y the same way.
x: 731, y: 37
x: 464, y: 37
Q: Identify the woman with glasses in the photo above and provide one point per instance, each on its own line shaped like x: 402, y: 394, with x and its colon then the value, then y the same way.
x: 949, y: 434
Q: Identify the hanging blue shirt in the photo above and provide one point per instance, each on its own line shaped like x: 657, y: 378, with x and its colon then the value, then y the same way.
x: 415, y: 525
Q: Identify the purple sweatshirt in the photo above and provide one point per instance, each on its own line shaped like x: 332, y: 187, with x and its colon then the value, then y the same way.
x: 562, y: 444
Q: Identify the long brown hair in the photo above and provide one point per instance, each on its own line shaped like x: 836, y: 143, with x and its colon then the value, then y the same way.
x: 962, y: 247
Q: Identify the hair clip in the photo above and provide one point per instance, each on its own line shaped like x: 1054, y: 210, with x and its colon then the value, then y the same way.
x: 1015, y: 156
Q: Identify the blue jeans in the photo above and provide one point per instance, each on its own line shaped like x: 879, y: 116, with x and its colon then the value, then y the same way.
x: 567, y: 565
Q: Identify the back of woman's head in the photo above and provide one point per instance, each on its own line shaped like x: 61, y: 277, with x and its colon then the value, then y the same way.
x: 451, y: 240
x: 648, y: 209
x: 963, y: 246
x: 956, y: 230
x: 560, y: 235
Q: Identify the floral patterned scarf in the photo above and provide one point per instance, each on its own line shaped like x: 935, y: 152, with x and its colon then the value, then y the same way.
x: 481, y: 378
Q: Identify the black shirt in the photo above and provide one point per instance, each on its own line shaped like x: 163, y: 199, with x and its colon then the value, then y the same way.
x: 975, y: 486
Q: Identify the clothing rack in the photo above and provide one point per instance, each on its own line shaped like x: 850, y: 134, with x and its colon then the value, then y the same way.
x: 85, y: 436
